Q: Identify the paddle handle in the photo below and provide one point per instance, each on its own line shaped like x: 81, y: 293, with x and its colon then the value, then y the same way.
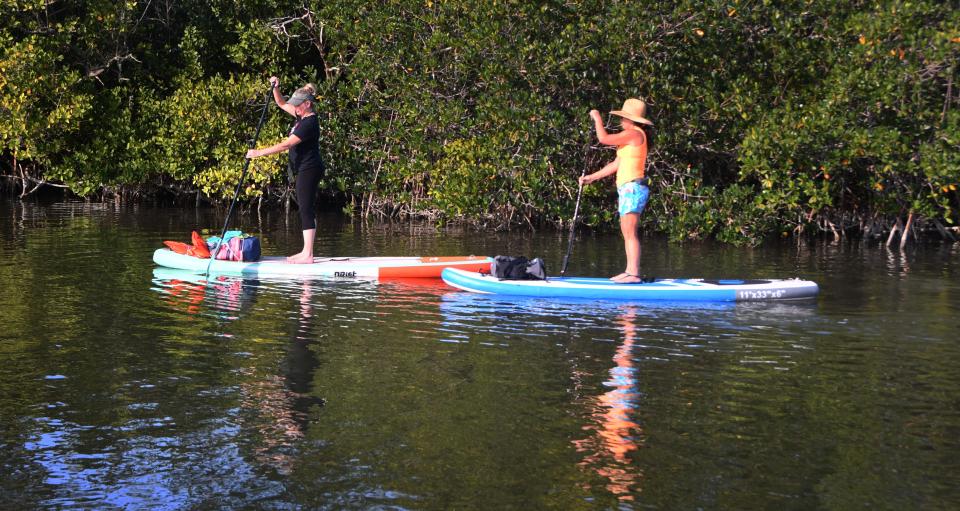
x: 573, y: 226
x: 243, y: 177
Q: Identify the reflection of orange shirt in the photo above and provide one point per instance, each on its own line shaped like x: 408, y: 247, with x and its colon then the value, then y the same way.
x: 633, y: 159
x: 616, y: 432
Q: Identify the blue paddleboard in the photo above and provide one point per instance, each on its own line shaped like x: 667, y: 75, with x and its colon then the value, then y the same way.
x: 728, y: 290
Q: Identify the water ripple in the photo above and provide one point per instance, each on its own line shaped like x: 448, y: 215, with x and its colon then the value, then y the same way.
x: 126, y: 386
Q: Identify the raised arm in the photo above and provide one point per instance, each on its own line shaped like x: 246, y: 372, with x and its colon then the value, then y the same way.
x: 616, y: 139
x: 278, y: 98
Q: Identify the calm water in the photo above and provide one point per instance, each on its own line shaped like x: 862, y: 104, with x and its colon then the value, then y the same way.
x: 126, y: 386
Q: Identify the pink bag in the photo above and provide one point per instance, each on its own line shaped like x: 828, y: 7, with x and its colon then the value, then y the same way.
x: 232, y: 250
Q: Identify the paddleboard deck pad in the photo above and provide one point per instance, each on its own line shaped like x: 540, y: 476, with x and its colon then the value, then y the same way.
x: 660, y: 289
x: 333, y: 267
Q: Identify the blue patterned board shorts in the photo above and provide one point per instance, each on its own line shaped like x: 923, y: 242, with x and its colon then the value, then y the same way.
x: 633, y: 197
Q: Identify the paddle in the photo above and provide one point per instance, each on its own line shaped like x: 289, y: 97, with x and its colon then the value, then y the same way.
x: 573, y: 226
x: 243, y: 177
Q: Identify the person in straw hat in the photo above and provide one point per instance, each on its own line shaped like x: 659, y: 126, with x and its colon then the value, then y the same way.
x: 632, y: 143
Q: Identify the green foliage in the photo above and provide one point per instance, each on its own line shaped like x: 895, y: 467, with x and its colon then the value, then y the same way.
x: 41, y: 109
x: 772, y: 117
x: 198, y: 134
x: 872, y: 133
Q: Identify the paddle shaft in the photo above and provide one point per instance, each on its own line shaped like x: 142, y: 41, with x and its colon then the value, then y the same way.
x: 573, y: 226
x: 243, y: 177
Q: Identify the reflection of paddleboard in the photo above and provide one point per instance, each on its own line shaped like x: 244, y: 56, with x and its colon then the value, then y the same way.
x: 162, y: 274
x: 460, y: 303
x: 660, y: 289
x: 337, y: 267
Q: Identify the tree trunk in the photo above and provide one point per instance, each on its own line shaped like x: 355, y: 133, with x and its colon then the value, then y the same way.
x: 893, y: 231
x: 906, y: 231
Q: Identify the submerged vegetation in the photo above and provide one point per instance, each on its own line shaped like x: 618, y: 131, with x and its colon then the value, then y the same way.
x: 773, y: 118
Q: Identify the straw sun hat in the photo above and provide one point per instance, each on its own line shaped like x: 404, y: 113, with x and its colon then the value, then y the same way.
x: 635, y: 110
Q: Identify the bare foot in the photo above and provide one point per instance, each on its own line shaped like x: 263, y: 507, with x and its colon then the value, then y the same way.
x: 619, y: 276
x: 636, y: 279
x: 300, y: 258
x: 633, y: 279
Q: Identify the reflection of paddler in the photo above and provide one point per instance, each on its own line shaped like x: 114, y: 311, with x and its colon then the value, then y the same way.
x: 284, y: 400
x: 306, y: 310
x: 615, y: 431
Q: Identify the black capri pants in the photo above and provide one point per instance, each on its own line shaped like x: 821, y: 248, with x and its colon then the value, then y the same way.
x: 307, y: 181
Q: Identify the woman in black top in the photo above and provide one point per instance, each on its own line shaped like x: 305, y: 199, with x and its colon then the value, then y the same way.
x: 304, y: 146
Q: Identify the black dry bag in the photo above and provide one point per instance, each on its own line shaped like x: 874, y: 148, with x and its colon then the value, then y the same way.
x: 518, y: 268
x: 536, y: 269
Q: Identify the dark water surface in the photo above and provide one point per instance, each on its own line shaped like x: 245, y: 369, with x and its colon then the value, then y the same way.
x: 127, y: 387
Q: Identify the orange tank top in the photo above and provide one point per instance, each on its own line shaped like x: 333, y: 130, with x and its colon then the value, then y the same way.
x: 633, y: 159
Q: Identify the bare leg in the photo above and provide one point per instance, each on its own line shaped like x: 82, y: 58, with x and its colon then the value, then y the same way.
x: 306, y: 255
x: 631, y: 245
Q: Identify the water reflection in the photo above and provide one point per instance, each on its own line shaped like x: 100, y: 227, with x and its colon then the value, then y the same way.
x: 657, y: 345
x: 282, y: 401
x: 897, y: 261
x: 209, y: 395
x: 222, y: 296
x: 541, y: 316
x: 141, y: 468
x: 277, y: 404
x: 615, y: 434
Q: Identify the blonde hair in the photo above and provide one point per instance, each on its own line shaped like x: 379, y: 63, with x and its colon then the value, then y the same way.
x: 309, y: 90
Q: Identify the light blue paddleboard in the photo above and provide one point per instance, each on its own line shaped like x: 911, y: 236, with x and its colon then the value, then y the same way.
x: 661, y: 289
